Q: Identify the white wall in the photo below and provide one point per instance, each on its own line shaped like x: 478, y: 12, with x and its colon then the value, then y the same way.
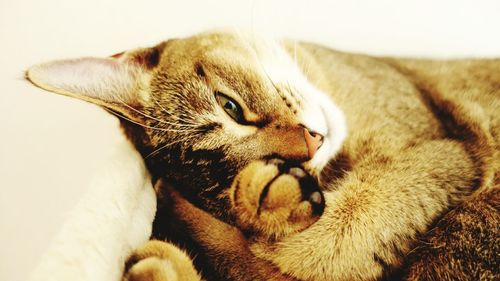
x: 50, y: 145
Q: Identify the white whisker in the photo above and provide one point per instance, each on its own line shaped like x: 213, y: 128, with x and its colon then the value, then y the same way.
x: 295, y: 51
x: 185, y: 124
x: 151, y: 127
x: 156, y: 119
x: 138, y: 111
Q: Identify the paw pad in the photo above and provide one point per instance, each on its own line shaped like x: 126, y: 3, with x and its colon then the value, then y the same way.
x: 275, y: 197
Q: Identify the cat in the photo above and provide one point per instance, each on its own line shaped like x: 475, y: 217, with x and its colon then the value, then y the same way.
x: 284, y: 160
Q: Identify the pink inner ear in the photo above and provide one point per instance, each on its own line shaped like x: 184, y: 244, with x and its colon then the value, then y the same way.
x: 105, y: 79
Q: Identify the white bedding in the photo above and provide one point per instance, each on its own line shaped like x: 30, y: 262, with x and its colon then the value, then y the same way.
x: 114, y: 217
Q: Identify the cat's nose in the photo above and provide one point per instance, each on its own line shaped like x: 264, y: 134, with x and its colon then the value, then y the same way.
x: 313, y: 141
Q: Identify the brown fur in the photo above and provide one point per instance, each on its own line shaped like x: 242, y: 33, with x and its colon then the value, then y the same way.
x: 423, y: 136
x: 464, y: 245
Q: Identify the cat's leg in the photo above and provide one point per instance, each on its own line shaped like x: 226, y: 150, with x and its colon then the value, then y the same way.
x: 160, y: 261
x: 225, y: 249
x: 375, y: 212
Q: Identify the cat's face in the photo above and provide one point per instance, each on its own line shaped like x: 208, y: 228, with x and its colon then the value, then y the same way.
x: 199, y: 109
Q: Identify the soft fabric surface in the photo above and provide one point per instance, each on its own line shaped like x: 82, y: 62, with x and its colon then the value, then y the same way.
x: 114, y: 217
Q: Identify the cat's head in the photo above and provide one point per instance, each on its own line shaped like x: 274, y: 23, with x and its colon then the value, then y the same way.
x: 201, y: 108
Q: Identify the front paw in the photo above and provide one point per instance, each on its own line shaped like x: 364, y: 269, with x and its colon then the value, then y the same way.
x: 275, y: 198
x: 159, y: 261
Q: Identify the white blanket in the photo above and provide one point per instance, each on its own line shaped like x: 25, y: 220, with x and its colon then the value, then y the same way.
x: 114, y: 217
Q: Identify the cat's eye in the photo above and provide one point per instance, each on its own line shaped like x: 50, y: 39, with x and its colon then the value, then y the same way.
x: 230, y: 106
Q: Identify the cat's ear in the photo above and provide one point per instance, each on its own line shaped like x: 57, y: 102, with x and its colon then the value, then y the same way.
x: 115, y: 82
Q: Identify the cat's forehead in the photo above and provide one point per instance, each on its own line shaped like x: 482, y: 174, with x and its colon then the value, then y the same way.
x: 248, y: 64
x: 233, y: 51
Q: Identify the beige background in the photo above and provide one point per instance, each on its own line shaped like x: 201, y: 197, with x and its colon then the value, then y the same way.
x: 50, y: 146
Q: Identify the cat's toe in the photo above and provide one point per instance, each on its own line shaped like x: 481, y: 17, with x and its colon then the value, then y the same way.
x: 159, y: 261
x: 310, y: 189
x: 276, y: 198
x: 152, y: 269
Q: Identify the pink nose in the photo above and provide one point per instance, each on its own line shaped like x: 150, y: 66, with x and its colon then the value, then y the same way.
x: 313, y: 142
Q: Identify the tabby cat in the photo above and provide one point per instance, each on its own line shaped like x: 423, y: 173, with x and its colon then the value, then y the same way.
x: 279, y: 160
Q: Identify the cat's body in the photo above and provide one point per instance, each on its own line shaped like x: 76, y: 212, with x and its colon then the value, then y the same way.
x: 421, y: 137
x: 416, y: 128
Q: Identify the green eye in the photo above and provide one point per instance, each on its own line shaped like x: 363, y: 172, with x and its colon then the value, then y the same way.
x: 230, y: 106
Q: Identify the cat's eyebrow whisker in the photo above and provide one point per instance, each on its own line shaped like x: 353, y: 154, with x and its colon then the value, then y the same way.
x: 253, y: 49
x: 294, y: 93
x: 288, y: 86
x: 267, y: 75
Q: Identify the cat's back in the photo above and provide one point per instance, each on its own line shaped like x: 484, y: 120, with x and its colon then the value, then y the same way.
x: 466, y: 82
x: 471, y: 88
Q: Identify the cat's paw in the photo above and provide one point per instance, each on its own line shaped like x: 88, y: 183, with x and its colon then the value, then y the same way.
x: 159, y: 261
x: 275, y: 198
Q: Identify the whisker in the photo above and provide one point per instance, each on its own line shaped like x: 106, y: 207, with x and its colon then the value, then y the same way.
x: 149, y: 127
x: 252, y: 48
x: 267, y: 74
x: 156, y: 151
x: 269, y: 78
x: 294, y: 93
x: 185, y: 122
x: 138, y: 111
x: 158, y: 104
x: 188, y: 124
x: 295, y: 51
x: 156, y: 119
